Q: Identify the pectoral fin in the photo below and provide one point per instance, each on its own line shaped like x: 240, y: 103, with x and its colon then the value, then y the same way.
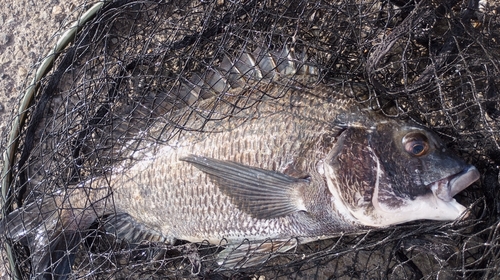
x: 252, y: 253
x: 261, y: 193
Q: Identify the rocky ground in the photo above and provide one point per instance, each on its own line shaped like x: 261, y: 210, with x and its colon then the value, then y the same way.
x: 28, y: 30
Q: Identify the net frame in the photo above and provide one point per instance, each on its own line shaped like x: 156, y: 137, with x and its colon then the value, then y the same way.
x: 391, y: 96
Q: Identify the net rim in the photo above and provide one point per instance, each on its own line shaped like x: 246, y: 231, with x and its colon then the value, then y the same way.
x: 31, y: 90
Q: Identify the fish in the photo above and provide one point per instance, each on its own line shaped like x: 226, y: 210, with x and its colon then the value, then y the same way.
x: 310, y: 165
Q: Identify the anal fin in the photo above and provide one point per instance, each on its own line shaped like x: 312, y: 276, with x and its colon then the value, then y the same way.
x: 252, y: 253
x: 125, y: 227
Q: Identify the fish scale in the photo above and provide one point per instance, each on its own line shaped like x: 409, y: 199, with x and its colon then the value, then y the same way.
x: 287, y: 127
x: 261, y: 168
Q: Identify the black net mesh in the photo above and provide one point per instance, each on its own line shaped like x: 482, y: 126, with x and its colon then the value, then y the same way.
x: 138, y: 73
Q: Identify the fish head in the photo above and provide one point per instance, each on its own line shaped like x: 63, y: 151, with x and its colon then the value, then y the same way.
x: 395, y: 172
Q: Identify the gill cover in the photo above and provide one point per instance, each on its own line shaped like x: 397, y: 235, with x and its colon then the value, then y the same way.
x: 393, y: 172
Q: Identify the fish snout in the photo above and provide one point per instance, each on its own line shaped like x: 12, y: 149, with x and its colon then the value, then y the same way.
x: 445, y: 189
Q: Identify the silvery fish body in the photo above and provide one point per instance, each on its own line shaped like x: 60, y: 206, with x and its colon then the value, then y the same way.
x: 301, y: 166
x: 308, y: 165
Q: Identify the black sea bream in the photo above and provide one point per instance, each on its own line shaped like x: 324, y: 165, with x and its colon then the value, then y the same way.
x: 309, y: 165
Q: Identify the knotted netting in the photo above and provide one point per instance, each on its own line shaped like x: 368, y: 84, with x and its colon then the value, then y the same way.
x: 137, y: 72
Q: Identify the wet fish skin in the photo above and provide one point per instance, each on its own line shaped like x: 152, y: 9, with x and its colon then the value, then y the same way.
x: 329, y: 168
x: 281, y: 139
x: 334, y: 163
x: 309, y: 149
x: 75, y: 208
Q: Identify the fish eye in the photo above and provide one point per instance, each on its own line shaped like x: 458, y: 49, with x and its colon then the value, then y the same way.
x: 416, y: 144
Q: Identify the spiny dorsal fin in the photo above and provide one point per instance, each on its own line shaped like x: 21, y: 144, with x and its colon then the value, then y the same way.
x: 261, y: 193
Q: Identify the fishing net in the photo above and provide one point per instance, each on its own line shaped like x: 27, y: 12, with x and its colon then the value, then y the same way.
x: 136, y: 72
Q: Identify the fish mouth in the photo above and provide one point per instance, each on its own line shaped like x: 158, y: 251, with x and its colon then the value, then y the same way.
x: 446, y: 188
x: 436, y: 205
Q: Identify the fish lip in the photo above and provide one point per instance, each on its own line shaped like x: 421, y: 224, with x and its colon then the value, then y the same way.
x: 436, y: 205
x: 446, y: 188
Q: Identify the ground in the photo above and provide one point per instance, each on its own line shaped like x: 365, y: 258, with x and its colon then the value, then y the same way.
x: 28, y: 30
